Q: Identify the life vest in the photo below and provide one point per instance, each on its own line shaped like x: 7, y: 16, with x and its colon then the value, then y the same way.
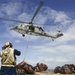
x: 8, y: 58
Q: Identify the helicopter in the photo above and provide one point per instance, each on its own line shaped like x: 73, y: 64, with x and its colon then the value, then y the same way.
x: 32, y: 29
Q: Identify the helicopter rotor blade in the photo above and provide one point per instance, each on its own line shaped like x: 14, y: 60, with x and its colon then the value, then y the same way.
x: 38, y: 8
x: 12, y: 20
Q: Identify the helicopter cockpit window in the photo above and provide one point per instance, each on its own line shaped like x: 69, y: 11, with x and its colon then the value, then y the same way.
x: 21, y: 25
x: 41, y: 29
x: 31, y: 28
x: 16, y: 27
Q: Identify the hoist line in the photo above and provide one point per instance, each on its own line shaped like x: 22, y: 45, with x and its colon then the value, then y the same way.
x: 26, y: 49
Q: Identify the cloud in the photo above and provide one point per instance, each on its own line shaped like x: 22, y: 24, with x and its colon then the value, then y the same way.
x: 24, y: 17
x: 69, y: 34
x: 11, y: 8
x: 57, y: 16
x: 17, y: 38
x: 56, y: 60
x: 61, y: 17
x: 52, y: 62
x: 40, y: 19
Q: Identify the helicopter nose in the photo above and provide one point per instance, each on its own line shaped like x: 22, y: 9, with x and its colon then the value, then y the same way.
x: 13, y: 28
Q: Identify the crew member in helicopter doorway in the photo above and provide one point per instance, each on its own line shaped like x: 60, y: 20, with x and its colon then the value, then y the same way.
x: 8, y: 59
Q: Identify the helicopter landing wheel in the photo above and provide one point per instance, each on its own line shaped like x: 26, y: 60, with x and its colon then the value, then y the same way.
x: 23, y: 35
x: 44, y: 33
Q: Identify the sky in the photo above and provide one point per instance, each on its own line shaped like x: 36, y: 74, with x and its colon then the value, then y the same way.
x: 54, y: 15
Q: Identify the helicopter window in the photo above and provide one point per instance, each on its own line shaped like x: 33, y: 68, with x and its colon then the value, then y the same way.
x: 21, y: 25
x: 16, y: 27
x: 31, y: 28
x: 41, y: 29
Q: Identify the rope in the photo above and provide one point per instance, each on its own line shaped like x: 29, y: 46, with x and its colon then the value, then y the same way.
x: 26, y: 49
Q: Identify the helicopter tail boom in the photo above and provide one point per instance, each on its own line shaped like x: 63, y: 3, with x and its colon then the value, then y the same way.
x: 57, y: 35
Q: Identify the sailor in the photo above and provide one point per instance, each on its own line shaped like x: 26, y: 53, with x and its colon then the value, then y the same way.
x: 8, y: 59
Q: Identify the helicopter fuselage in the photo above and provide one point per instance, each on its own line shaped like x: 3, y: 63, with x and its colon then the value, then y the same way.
x: 29, y: 29
x: 32, y: 29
